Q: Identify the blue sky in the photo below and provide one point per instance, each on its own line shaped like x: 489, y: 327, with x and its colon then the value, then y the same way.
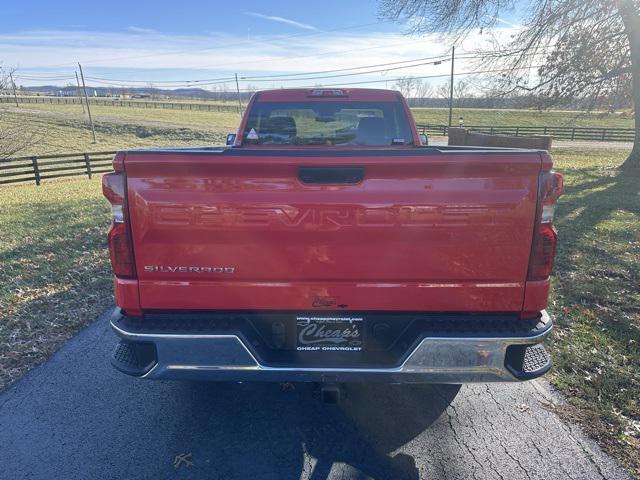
x: 163, y: 42
x: 193, y: 17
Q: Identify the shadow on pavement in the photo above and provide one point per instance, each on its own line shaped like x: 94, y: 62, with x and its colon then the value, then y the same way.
x: 259, y: 431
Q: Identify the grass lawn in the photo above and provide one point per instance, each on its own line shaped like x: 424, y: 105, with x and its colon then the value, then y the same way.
x: 160, y: 116
x: 528, y: 118
x: 66, y: 131
x: 55, y: 275
x: 596, y: 299
x: 55, y: 279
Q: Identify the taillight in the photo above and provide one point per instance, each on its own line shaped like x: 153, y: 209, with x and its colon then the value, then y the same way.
x: 120, y: 251
x: 543, y: 253
x: 119, y: 237
x: 543, y: 250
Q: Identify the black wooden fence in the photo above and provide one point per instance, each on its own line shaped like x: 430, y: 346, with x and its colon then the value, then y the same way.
x: 560, y: 133
x: 43, y: 167
x: 206, y: 107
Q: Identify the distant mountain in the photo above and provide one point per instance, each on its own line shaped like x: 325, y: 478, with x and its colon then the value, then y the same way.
x: 92, y: 91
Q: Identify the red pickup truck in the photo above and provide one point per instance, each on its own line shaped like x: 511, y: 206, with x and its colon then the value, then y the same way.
x: 328, y: 243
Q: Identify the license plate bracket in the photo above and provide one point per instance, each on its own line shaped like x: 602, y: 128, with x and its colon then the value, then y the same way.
x: 319, y: 333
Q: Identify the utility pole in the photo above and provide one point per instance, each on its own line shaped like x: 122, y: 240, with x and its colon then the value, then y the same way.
x: 79, y: 92
x: 239, y: 100
x: 13, y: 84
x: 453, y: 57
x: 84, y: 87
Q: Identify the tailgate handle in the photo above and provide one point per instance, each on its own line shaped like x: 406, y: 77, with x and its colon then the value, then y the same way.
x: 330, y: 175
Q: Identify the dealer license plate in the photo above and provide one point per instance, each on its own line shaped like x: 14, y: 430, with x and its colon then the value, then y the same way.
x: 342, y: 334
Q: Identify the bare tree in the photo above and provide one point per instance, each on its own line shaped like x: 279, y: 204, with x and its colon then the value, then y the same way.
x: 14, y: 135
x: 405, y: 86
x: 415, y: 90
x: 151, y: 90
x: 423, y: 89
x: 581, y: 49
x: 460, y: 91
x: 250, y: 90
x: 443, y: 91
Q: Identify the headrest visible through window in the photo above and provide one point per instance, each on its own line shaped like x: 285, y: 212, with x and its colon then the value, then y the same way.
x: 372, y: 131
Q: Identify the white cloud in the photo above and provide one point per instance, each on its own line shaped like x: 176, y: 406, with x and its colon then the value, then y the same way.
x: 503, y: 21
x: 134, y: 29
x: 286, y: 21
x: 155, y: 57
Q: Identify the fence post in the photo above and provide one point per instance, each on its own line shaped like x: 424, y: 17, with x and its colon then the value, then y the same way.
x: 36, y: 170
x: 573, y: 133
x: 604, y: 134
x: 87, y: 162
x: 517, y: 131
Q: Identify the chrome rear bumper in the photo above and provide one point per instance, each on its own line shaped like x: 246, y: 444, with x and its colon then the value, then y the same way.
x: 435, y: 359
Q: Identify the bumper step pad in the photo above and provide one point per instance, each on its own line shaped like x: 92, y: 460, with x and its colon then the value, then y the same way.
x: 535, y: 358
x: 134, y: 358
x: 528, y: 361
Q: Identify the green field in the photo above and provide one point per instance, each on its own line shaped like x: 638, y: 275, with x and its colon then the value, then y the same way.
x: 595, y: 299
x: 526, y: 118
x: 159, y: 116
x: 64, y: 128
x: 55, y: 275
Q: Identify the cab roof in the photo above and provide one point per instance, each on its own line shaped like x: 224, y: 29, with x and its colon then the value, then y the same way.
x: 328, y: 94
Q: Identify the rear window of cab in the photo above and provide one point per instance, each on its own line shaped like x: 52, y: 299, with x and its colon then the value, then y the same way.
x: 327, y: 123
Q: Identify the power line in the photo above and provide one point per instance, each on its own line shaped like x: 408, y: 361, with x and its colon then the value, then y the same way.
x: 439, y: 59
x: 33, y: 77
x: 323, y: 77
x: 287, y: 76
x: 435, y: 60
x: 301, y: 76
x: 214, y: 82
x: 282, y: 77
x: 415, y: 77
x: 161, y: 82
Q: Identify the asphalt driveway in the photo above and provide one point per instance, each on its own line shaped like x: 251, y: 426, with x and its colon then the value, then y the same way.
x: 77, y: 418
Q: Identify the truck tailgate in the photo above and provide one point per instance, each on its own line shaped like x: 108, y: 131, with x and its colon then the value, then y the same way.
x: 423, y: 230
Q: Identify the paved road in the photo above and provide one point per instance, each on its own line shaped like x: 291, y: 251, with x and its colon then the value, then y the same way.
x: 76, y: 418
